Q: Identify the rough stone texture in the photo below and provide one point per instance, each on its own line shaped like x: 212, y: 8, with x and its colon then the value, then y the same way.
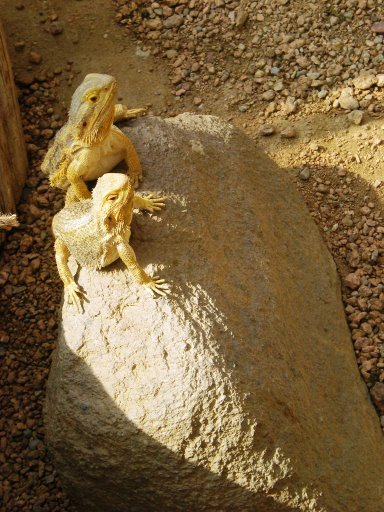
x: 365, y: 81
x: 355, y: 117
x: 347, y: 101
x: 240, y: 391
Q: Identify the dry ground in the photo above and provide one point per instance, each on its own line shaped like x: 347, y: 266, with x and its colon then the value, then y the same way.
x: 336, y: 165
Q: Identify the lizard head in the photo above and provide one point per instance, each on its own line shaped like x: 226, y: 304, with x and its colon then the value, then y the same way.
x: 113, y: 200
x: 92, y: 107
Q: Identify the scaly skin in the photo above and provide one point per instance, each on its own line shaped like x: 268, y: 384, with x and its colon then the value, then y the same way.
x: 89, y: 145
x: 96, y: 233
x: 8, y: 221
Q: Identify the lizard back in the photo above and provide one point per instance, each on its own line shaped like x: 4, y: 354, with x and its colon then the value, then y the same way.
x: 77, y: 228
x: 58, y: 158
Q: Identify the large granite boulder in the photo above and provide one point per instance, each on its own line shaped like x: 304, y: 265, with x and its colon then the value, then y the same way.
x: 239, y: 392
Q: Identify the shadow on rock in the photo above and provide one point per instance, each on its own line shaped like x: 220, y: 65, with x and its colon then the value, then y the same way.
x: 129, y: 469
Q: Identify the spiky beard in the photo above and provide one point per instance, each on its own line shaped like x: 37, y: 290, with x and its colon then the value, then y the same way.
x: 101, y: 128
x: 115, y: 219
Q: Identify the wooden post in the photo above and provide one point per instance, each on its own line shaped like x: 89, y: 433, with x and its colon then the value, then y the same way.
x: 13, y: 156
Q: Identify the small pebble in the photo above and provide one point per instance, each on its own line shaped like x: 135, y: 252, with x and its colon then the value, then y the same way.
x: 347, y: 101
x: 56, y: 28
x: 355, y: 117
x: 365, y: 81
x: 305, y: 174
x: 35, y: 58
x: 19, y: 46
x: 378, y: 27
x: 268, y: 95
x: 267, y: 130
x: 288, y: 133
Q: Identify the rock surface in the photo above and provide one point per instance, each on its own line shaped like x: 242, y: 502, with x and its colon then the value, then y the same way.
x: 347, y: 101
x: 238, y: 392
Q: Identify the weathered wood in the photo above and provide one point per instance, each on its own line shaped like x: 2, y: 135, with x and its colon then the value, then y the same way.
x: 13, y: 156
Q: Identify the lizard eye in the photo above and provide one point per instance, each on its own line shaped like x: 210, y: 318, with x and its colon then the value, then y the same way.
x: 112, y: 197
x: 93, y: 99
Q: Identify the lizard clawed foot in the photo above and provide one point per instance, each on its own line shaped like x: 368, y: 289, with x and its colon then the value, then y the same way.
x: 131, y: 113
x: 74, y: 295
x: 159, y: 286
x: 153, y: 204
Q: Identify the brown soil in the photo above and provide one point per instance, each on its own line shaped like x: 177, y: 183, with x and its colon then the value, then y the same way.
x: 343, y: 193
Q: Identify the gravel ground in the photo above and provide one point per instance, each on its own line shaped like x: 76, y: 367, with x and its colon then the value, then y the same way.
x: 270, y: 55
x: 269, y: 66
x: 353, y: 227
x: 30, y: 295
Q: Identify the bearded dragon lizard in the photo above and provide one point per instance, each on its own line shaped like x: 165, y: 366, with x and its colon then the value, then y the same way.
x: 96, y: 233
x: 89, y: 144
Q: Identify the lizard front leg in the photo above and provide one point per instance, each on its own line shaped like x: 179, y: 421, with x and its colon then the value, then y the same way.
x: 133, y: 162
x: 131, y: 157
x: 154, y: 284
x: 72, y: 292
x: 123, y: 112
x: 79, y: 188
x: 70, y: 196
x: 148, y: 202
